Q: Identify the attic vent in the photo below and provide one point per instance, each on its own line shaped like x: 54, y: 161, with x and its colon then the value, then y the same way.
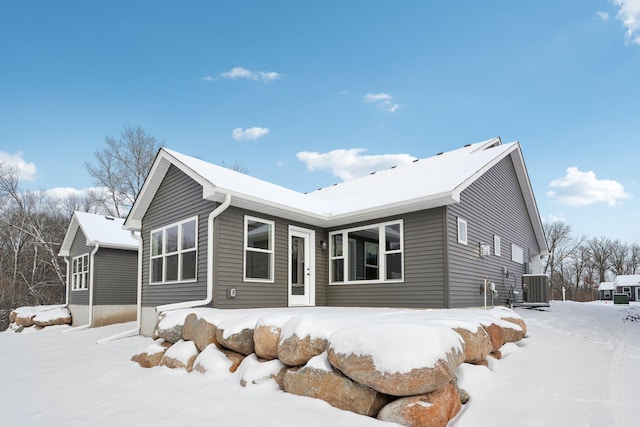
x: 440, y: 153
x: 415, y: 160
x: 373, y: 173
x: 393, y: 167
x: 109, y: 217
x: 335, y: 184
x: 467, y: 145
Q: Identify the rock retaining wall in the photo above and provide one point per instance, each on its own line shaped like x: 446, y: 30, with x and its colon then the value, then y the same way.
x: 402, y: 372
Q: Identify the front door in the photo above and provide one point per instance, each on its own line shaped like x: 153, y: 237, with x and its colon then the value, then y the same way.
x: 301, y: 266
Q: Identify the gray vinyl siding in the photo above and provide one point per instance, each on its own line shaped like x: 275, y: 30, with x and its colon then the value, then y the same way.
x: 229, y: 242
x: 178, y: 198
x: 115, y: 277
x: 492, y: 205
x: 79, y: 247
x: 424, y: 268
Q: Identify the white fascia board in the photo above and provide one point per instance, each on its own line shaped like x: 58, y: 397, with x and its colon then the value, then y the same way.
x: 112, y: 245
x: 72, y: 229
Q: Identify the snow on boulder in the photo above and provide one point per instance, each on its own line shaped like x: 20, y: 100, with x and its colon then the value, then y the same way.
x: 400, y: 359
x: 319, y: 380
x: 241, y: 342
x: 152, y: 355
x: 52, y: 316
x: 213, y: 362
x: 428, y: 410
x: 302, y: 338
x: 180, y: 355
x: 253, y: 371
x: 170, y: 325
x: 477, y: 344
x: 266, y: 336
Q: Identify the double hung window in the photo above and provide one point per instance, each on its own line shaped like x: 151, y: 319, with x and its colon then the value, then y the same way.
x: 371, y: 253
x: 258, y: 249
x: 174, y: 252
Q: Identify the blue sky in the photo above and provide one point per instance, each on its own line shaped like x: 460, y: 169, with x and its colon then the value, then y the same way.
x: 282, y: 86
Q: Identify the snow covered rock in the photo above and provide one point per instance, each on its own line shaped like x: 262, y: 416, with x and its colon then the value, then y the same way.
x: 235, y: 358
x: 477, y: 345
x: 434, y: 409
x: 241, y: 342
x: 169, y: 327
x: 201, y: 332
x: 180, y: 355
x: 302, y: 338
x: 319, y: 380
x: 253, y: 371
x: 496, y: 334
x: 380, y: 357
x: 213, y: 361
x: 150, y: 356
x: 53, y: 316
x: 513, y: 334
x: 265, y: 340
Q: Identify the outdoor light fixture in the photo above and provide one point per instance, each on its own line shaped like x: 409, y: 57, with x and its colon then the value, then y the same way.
x: 323, y: 245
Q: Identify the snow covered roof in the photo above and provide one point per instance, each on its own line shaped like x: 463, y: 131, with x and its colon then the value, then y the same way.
x: 434, y: 181
x: 104, y: 230
x: 607, y: 286
x: 628, y: 280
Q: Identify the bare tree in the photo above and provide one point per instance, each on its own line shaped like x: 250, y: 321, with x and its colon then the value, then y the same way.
x: 601, y: 256
x: 121, y: 168
x: 619, y: 258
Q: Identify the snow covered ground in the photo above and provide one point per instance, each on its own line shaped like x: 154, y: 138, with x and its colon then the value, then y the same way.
x: 578, y: 366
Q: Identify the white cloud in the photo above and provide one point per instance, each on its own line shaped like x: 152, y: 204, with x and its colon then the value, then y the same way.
x: 26, y: 170
x: 243, y: 73
x: 352, y: 163
x: 559, y: 217
x: 382, y: 101
x: 603, y: 15
x: 207, y: 78
x: 629, y: 15
x: 249, y: 134
x: 579, y: 188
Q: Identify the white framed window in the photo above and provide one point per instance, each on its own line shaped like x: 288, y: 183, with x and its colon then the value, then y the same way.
x: 462, y: 231
x: 258, y: 249
x: 517, y: 254
x: 80, y: 273
x: 174, y: 252
x: 496, y: 245
x: 373, y: 253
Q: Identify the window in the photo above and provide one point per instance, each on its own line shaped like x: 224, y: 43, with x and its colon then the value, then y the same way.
x: 374, y: 253
x: 258, y: 249
x: 174, y: 252
x: 80, y: 273
x: 496, y: 245
x: 462, y: 231
x: 627, y: 290
x: 517, y: 254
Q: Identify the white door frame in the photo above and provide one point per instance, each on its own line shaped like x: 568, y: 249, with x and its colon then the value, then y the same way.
x: 309, y: 236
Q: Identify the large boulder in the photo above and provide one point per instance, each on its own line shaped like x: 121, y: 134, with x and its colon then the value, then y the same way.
x: 52, y: 316
x: 265, y: 340
x: 203, y: 333
x: 213, y: 362
x: 334, y: 388
x: 150, y: 356
x: 477, y: 344
x: 295, y: 351
x: 515, y: 334
x: 168, y: 331
x: 240, y: 342
x: 180, y: 355
x: 188, y: 326
x: 254, y: 371
x: 379, y: 357
x: 434, y: 409
x: 496, y: 334
x: 302, y: 338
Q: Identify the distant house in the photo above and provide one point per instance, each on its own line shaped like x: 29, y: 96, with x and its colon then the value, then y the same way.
x: 630, y: 285
x: 606, y: 290
x: 424, y: 234
x: 102, y: 266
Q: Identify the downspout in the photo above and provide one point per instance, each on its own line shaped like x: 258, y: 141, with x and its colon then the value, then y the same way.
x: 66, y: 260
x: 135, y: 331
x: 91, y: 286
x: 189, y: 304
